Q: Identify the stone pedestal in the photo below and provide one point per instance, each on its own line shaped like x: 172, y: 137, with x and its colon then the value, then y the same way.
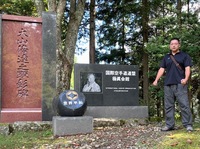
x: 121, y: 112
x: 63, y: 126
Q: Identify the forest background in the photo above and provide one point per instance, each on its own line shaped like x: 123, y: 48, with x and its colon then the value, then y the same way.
x: 122, y: 32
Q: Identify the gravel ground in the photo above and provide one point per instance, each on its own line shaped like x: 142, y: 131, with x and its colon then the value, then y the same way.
x: 127, y: 136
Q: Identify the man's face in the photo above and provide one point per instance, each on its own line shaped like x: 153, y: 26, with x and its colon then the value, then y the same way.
x: 91, y: 78
x: 174, y: 46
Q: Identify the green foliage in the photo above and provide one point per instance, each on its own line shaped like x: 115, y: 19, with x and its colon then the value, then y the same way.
x: 22, y: 139
x: 116, y: 32
x: 72, y: 80
x: 18, y: 7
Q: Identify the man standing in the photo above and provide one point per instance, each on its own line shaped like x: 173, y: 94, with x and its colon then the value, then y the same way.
x: 176, y: 65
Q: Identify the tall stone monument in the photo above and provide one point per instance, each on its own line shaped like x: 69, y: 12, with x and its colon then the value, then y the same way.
x: 28, y: 63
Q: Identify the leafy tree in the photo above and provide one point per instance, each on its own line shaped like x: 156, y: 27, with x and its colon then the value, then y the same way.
x: 65, y: 45
x: 115, y: 34
x: 18, y: 7
x: 123, y: 36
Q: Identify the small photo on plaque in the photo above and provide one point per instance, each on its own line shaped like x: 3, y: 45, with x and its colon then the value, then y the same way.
x: 91, y: 82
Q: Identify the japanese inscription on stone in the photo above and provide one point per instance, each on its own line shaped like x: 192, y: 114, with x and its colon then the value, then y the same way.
x: 120, y: 76
x: 22, y: 63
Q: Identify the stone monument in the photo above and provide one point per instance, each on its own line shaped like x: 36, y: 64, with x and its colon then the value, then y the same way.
x: 28, y: 63
x: 111, y: 91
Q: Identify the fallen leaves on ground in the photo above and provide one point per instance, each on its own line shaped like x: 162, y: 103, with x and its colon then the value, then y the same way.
x: 126, y: 137
x: 174, y: 144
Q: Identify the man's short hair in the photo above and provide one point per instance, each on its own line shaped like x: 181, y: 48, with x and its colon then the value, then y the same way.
x: 175, y: 38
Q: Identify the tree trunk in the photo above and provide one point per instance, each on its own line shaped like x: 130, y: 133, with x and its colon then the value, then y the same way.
x: 52, y: 5
x: 67, y: 57
x: 189, y: 81
x: 65, y: 52
x: 179, y: 6
x: 39, y: 4
x: 145, y: 55
x: 92, y: 32
x: 188, y: 8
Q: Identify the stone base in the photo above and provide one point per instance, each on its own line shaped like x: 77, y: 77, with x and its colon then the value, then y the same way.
x: 20, y: 114
x: 63, y: 126
x: 121, y: 112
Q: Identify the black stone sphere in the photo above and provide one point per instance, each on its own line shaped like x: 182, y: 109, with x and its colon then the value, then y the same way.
x: 71, y: 103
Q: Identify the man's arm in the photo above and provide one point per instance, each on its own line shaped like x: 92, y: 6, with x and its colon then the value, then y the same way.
x: 187, y: 75
x: 159, y: 75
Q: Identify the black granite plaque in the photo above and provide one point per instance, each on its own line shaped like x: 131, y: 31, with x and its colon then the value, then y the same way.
x: 116, y: 85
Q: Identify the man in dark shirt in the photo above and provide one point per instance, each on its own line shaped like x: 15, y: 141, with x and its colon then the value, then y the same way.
x: 175, y: 85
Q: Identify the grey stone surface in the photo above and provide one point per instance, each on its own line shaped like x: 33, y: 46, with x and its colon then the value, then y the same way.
x: 31, y: 125
x: 0, y: 57
x: 48, y: 64
x: 63, y: 126
x: 4, y: 130
x: 105, y: 122
x: 123, y: 112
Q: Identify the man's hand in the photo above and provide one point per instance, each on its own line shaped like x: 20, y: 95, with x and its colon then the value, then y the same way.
x: 155, y: 83
x: 183, y: 81
x: 158, y: 76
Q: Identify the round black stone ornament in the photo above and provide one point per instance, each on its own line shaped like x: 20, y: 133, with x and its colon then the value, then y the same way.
x: 71, y: 103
